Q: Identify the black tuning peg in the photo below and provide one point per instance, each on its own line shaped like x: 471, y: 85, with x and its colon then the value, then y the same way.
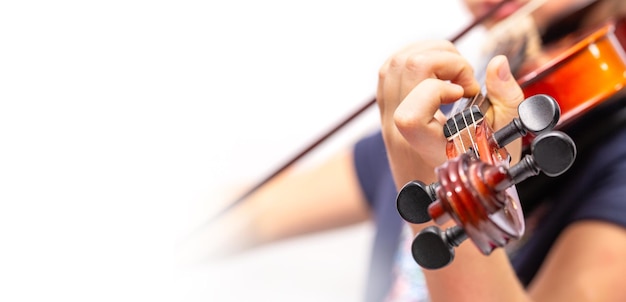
x: 413, y: 200
x: 537, y: 114
x: 552, y: 153
x: 434, y: 249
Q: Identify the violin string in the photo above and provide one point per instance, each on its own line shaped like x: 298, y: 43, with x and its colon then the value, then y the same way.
x: 474, y: 100
x: 456, y: 146
x: 475, y: 123
x: 455, y: 110
x: 458, y: 131
x: 470, y: 134
x: 452, y: 136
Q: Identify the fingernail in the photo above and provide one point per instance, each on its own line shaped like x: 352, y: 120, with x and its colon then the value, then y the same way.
x: 504, y: 71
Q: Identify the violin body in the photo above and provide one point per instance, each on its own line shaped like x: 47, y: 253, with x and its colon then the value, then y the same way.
x: 580, y: 71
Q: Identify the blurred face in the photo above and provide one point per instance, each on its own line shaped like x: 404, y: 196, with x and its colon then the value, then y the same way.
x: 543, y: 15
x: 480, y: 7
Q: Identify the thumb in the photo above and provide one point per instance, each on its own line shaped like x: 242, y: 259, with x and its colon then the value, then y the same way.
x: 503, y: 90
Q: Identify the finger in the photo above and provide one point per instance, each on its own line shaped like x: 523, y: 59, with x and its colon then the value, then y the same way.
x: 442, y: 118
x: 390, y: 73
x: 398, y: 58
x: 419, y: 120
x: 440, y: 65
x: 504, y: 92
x: 407, y: 68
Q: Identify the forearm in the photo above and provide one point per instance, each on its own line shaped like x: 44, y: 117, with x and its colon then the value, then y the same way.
x: 295, y: 202
x: 473, y: 276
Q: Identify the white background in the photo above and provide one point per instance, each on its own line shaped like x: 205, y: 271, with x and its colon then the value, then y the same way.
x: 123, y: 124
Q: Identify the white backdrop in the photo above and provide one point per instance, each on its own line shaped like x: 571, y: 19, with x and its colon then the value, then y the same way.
x: 123, y: 123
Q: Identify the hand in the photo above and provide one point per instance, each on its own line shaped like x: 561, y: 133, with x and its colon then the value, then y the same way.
x: 414, y: 83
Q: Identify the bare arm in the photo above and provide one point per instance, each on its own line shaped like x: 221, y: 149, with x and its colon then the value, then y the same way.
x: 294, y: 203
x: 587, y: 263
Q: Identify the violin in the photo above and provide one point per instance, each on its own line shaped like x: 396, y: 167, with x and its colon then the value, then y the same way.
x: 476, y: 186
x: 581, y: 71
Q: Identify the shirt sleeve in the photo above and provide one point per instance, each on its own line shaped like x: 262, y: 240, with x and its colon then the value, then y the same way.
x: 606, y: 193
x: 372, y: 167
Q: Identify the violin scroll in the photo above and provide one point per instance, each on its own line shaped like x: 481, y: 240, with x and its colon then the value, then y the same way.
x: 475, y: 193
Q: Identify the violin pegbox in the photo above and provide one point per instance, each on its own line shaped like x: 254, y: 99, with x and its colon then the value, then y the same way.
x: 474, y: 185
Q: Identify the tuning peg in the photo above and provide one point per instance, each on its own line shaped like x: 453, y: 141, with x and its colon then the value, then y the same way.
x: 413, y: 201
x: 552, y: 153
x: 434, y: 249
x: 537, y: 114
